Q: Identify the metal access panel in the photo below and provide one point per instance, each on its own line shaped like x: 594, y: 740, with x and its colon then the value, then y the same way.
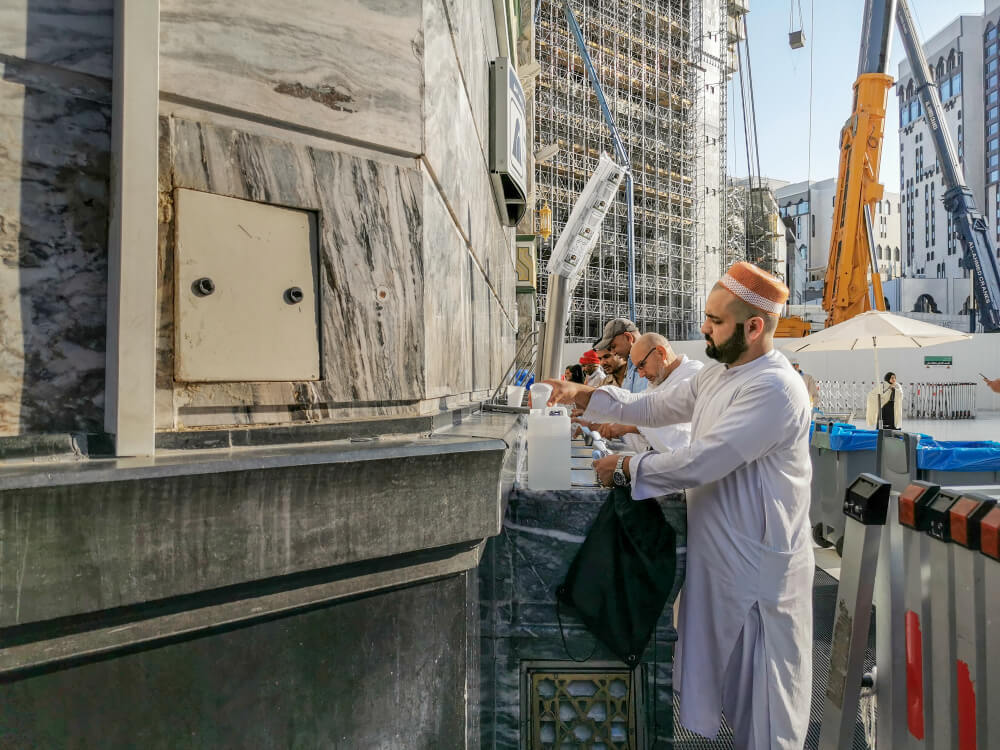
x: 245, y: 293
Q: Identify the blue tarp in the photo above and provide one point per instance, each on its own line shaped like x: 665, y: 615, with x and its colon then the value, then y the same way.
x: 847, y: 437
x: 939, y: 455
x: 958, y: 455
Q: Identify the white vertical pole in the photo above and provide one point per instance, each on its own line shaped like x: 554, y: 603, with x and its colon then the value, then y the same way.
x: 132, y: 234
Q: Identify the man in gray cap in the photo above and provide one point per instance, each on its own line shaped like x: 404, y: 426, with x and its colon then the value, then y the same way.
x: 619, y: 335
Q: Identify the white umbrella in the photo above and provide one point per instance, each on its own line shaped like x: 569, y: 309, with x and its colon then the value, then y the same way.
x: 874, y: 330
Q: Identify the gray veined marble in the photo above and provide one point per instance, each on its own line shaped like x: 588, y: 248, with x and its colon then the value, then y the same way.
x: 53, y: 247
x: 350, y: 68
x: 519, y: 573
x: 371, y: 272
x: 408, y: 320
x: 454, y: 151
x: 75, y: 35
x: 446, y: 303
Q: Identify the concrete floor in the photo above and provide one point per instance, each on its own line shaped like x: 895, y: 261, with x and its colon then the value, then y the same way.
x: 986, y: 426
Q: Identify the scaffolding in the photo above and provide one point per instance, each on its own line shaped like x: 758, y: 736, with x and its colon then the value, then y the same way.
x: 735, y: 213
x: 642, y: 52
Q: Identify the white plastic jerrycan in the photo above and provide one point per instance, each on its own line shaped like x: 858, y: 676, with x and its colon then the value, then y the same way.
x: 549, y: 449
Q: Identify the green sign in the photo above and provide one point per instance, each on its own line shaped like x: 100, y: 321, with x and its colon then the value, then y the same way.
x: 937, y: 361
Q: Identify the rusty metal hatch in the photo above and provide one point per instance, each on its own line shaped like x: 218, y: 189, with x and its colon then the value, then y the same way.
x: 589, y: 706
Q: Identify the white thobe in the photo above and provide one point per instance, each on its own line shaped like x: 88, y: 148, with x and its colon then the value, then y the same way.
x: 749, y: 541
x: 670, y: 437
x: 595, y: 378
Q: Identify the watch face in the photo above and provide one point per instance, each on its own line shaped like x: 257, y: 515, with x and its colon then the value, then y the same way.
x: 619, y: 478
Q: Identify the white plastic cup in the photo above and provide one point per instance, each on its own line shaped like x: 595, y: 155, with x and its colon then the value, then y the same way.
x: 515, y: 395
x: 540, y: 395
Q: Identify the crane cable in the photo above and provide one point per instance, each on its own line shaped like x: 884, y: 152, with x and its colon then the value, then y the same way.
x: 809, y: 144
x: 753, y: 122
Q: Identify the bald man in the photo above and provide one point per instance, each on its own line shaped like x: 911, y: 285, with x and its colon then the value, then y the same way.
x: 655, y: 360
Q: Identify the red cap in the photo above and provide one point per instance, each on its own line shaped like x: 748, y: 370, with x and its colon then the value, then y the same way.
x: 590, y: 358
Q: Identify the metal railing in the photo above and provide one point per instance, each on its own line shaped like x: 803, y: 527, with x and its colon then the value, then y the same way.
x: 921, y: 400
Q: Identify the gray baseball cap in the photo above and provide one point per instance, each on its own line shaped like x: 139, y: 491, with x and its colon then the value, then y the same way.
x: 611, y: 329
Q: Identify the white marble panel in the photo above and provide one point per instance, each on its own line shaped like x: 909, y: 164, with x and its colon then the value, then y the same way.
x: 53, y: 257
x: 353, y: 68
x: 447, y: 324
x: 474, y: 34
x: 485, y: 325
x: 453, y: 151
x: 73, y: 34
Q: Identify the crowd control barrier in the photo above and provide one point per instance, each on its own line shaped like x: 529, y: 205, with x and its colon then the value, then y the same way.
x: 921, y: 400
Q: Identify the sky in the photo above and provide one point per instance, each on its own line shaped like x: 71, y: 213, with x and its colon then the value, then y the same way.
x: 781, y: 85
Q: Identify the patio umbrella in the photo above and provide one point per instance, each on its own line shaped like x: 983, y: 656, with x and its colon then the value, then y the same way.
x: 874, y: 330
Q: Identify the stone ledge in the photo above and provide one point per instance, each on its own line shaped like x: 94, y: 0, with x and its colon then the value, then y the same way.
x: 90, y: 536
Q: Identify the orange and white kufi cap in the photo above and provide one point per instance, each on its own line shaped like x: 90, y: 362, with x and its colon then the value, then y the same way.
x: 756, y: 287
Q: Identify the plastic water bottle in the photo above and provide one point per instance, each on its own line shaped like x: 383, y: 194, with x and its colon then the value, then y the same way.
x: 549, y: 449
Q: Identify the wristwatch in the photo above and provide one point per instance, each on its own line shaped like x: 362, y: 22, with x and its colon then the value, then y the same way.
x: 618, y: 478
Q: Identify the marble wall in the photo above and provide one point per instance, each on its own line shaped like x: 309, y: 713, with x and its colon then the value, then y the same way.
x: 350, y: 69
x: 374, y: 116
x: 55, y: 101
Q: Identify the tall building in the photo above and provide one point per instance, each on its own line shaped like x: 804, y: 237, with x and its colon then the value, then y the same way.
x: 663, y: 66
x: 955, y: 56
x: 991, y: 114
x: 809, y: 208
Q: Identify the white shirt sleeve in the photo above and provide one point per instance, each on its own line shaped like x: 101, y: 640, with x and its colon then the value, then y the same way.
x: 752, y: 426
x: 649, y: 409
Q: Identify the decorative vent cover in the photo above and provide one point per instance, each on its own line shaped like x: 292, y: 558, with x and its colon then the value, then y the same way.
x: 582, y: 708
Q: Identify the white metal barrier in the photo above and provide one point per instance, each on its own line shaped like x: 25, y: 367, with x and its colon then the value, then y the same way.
x: 921, y: 400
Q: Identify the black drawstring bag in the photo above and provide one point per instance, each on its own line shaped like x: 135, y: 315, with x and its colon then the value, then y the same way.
x: 620, y: 579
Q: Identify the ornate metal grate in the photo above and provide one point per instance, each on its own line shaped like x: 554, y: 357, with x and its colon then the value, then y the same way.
x: 594, y: 710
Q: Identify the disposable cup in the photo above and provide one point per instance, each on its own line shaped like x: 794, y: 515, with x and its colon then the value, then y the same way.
x: 540, y: 395
x: 515, y: 395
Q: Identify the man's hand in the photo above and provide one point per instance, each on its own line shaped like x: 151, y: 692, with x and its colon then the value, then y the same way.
x: 609, y: 430
x: 565, y: 392
x: 994, y: 385
x: 605, y: 468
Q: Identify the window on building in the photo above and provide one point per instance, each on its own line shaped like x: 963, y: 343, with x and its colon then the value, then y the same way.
x: 991, y: 49
x: 991, y: 81
x: 991, y: 32
x: 991, y: 98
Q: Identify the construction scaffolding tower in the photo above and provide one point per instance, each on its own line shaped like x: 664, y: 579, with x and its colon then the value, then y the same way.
x: 736, y: 217
x: 642, y: 52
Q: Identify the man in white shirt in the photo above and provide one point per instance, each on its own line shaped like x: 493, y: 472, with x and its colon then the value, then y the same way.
x: 746, y: 618
x: 656, y: 361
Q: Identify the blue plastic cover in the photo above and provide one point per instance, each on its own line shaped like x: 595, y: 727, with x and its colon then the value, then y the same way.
x: 847, y: 437
x: 958, y: 455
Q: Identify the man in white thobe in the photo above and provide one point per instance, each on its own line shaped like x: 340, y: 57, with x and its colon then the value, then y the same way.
x: 655, y: 360
x: 746, y: 616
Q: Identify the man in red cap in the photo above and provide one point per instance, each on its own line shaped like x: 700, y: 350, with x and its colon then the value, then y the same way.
x: 593, y: 374
x: 745, y: 623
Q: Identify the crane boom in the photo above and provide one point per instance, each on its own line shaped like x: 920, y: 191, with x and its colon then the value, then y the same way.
x: 979, y: 252
x: 850, y: 265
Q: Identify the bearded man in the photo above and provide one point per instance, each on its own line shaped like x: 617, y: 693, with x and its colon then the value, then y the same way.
x: 745, y: 626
